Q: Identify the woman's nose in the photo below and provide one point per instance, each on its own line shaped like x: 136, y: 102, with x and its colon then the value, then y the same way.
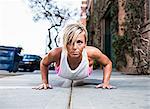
x: 74, y: 45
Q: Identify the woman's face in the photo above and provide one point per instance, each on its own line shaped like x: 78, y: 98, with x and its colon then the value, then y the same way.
x: 75, y: 49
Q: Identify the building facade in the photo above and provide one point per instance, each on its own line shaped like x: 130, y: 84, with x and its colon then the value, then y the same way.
x: 122, y: 34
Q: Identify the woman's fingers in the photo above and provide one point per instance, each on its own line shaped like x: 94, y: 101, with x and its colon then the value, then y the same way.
x: 99, y: 86
x: 103, y: 86
x: 43, y: 86
x: 49, y: 86
x: 38, y: 87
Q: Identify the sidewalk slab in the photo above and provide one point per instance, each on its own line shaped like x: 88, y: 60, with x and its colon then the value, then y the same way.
x: 4, y: 73
x: 133, y: 92
x: 16, y: 93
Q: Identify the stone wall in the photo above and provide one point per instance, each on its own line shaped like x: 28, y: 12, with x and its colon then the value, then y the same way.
x: 96, y: 29
x: 96, y: 24
x: 146, y: 36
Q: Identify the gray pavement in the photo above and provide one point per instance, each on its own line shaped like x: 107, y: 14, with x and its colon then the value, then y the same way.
x: 133, y: 92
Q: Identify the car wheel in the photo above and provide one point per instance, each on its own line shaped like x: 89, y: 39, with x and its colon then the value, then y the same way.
x: 10, y: 71
x: 15, y: 71
x: 31, y: 70
x: 24, y: 70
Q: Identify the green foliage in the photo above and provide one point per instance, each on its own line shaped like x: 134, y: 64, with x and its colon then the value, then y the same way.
x: 122, y: 44
x: 96, y: 65
x: 134, y: 19
x: 114, y: 16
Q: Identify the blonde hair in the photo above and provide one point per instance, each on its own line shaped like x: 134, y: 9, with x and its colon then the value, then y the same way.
x: 72, y: 31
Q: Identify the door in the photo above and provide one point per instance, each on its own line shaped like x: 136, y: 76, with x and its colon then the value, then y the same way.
x: 108, y: 49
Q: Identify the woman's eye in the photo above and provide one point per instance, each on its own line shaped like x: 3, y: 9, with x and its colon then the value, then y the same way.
x: 79, y: 42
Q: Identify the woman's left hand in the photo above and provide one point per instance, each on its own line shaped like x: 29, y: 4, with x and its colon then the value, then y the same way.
x: 105, y: 86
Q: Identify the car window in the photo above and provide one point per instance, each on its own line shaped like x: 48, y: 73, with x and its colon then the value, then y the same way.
x: 31, y: 57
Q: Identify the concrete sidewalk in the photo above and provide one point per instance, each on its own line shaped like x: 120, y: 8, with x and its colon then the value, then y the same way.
x: 132, y: 91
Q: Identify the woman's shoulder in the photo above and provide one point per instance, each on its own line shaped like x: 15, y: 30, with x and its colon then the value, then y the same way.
x: 57, y: 49
x: 92, y: 51
x: 55, y: 52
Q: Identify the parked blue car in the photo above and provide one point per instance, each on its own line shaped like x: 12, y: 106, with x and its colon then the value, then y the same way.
x: 30, y: 62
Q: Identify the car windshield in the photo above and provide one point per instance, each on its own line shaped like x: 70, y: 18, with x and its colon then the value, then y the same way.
x: 30, y: 57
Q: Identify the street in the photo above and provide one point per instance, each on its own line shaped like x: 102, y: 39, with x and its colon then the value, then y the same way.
x: 133, y: 91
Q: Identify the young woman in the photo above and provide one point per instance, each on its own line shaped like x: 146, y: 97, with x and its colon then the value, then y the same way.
x: 74, y: 61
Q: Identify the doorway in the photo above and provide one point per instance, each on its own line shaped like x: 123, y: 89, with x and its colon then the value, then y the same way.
x: 108, y: 48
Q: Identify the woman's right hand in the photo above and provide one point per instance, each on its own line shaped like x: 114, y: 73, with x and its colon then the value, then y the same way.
x: 43, y: 86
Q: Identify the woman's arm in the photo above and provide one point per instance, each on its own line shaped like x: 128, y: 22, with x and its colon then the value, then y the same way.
x: 45, y: 62
x: 52, y: 56
x: 95, y: 53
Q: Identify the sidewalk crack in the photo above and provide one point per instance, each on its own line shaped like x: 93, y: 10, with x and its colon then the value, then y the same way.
x: 70, y: 96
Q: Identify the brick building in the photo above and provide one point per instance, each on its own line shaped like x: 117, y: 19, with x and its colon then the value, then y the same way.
x: 99, y: 22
